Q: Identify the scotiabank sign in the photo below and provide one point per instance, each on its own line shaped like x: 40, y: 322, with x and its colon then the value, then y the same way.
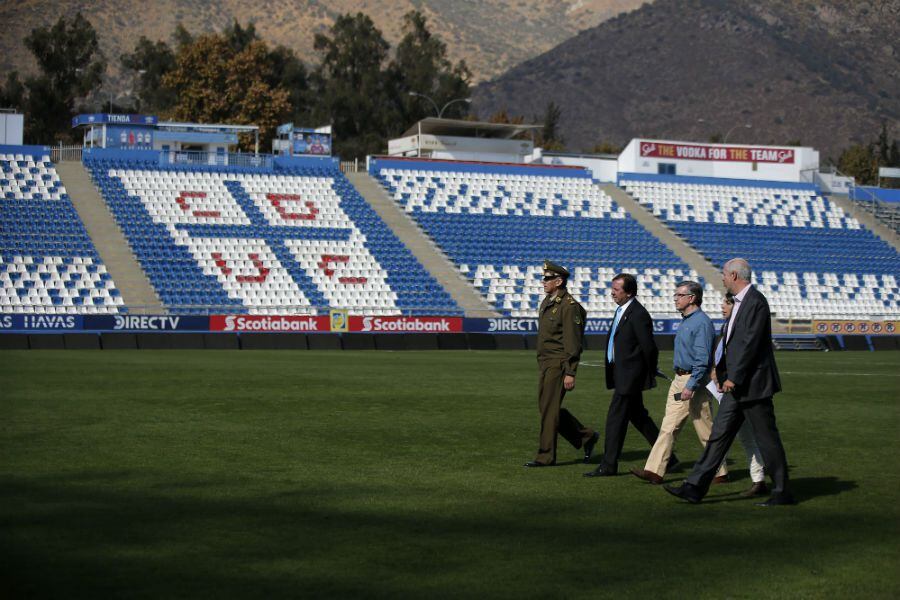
x: 406, y: 324
x: 276, y: 324
x: 782, y: 156
x: 324, y: 323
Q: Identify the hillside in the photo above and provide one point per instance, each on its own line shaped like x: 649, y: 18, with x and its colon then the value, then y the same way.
x: 824, y: 72
x: 491, y: 35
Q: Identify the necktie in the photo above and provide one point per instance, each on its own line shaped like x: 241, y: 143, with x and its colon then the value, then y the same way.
x: 731, y: 320
x: 610, y: 347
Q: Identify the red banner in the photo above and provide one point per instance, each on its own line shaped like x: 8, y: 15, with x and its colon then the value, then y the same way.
x: 275, y: 324
x: 855, y: 327
x: 717, y: 153
x: 406, y: 324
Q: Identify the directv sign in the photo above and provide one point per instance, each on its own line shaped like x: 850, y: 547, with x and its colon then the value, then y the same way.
x: 529, y: 325
x: 113, y: 119
x: 145, y: 323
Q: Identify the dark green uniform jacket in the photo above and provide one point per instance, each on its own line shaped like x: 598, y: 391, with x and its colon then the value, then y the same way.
x: 561, y: 322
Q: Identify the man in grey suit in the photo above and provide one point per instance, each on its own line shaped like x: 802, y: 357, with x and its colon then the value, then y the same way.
x: 749, y: 379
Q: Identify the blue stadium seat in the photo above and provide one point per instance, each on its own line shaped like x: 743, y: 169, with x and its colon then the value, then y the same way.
x: 809, y: 257
x: 296, y: 240
x: 498, y: 223
x: 47, y: 260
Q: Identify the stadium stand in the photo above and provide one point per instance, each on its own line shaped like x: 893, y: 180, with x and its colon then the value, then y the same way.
x: 48, y: 263
x: 294, y: 238
x: 809, y: 258
x: 497, y: 223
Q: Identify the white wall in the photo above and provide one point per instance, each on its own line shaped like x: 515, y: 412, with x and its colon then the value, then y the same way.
x: 602, y: 169
x: 12, y: 127
x: 632, y: 161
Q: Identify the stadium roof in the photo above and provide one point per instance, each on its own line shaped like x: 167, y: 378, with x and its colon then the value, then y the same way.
x: 459, y: 128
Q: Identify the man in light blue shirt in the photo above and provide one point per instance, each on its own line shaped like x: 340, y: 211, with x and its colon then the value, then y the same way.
x: 688, y: 396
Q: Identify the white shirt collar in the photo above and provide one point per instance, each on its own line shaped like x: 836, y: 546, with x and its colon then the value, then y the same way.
x: 740, y: 295
x: 625, y: 306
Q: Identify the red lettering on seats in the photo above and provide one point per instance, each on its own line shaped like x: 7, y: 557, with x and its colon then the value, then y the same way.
x: 262, y: 270
x: 278, y: 199
x: 183, y: 203
x: 325, y: 265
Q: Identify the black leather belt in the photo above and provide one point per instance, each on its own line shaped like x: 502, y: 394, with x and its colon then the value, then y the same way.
x: 682, y: 372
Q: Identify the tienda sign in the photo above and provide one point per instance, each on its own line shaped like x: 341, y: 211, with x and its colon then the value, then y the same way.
x: 717, y: 153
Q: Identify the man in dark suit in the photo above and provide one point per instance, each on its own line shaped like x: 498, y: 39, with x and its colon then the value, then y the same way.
x: 631, y: 361
x: 749, y: 379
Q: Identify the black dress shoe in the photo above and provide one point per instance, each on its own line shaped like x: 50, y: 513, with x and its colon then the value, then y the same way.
x: 685, y: 492
x: 534, y: 463
x: 589, y: 446
x: 600, y: 472
x: 778, y: 500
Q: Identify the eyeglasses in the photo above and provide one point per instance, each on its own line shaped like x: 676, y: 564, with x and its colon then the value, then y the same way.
x: 681, y: 295
x: 550, y: 277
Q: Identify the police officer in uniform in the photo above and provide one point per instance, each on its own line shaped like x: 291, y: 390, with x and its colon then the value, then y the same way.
x: 561, y: 322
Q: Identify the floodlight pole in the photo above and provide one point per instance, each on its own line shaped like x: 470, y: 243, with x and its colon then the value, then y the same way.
x: 466, y: 100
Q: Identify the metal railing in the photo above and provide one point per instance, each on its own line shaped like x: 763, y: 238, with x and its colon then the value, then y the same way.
x: 62, y: 153
x: 350, y: 166
x: 215, y: 159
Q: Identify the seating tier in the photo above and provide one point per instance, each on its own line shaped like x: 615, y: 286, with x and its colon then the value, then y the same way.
x: 498, y: 226
x: 808, y: 256
x: 298, y: 241
x: 48, y: 263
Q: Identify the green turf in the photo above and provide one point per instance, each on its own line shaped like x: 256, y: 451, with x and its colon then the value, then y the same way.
x: 348, y: 474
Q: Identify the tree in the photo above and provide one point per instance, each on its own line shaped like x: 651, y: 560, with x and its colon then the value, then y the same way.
x: 550, y: 137
x: 420, y: 65
x: 350, y: 86
x: 148, y: 63
x: 887, y: 152
x: 71, y: 66
x: 503, y: 116
x: 12, y: 93
x: 290, y: 74
x: 860, y: 162
x: 216, y: 84
x: 606, y: 147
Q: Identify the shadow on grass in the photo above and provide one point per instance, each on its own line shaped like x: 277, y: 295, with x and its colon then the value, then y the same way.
x: 101, y: 534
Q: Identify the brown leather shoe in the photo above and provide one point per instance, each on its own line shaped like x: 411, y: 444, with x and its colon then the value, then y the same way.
x: 721, y: 479
x: 757, y: 489
x: 646, y: 475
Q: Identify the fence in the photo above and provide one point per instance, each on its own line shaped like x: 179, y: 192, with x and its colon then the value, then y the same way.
x: 258, y: 161
x: 350, y: 166
x: 62, y: 153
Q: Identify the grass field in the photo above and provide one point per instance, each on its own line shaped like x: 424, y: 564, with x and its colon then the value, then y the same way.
x: 377, y: 474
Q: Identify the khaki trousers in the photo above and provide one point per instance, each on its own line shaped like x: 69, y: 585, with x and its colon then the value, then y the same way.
x: 677, y: 412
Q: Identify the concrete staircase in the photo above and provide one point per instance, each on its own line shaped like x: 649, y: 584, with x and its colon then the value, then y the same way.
x: 425, y: 251
x: 868, y: 219
x: 665, y: 235
x: 137, y: 293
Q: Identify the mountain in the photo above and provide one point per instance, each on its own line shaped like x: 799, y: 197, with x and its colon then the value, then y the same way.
x: 824, y: 72
x: 490, y: 35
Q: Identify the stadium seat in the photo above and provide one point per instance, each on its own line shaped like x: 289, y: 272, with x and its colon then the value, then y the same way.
x: 498, y: 223
x: 810, y: 258
x: 48, y: 263
x: 294, y: 240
